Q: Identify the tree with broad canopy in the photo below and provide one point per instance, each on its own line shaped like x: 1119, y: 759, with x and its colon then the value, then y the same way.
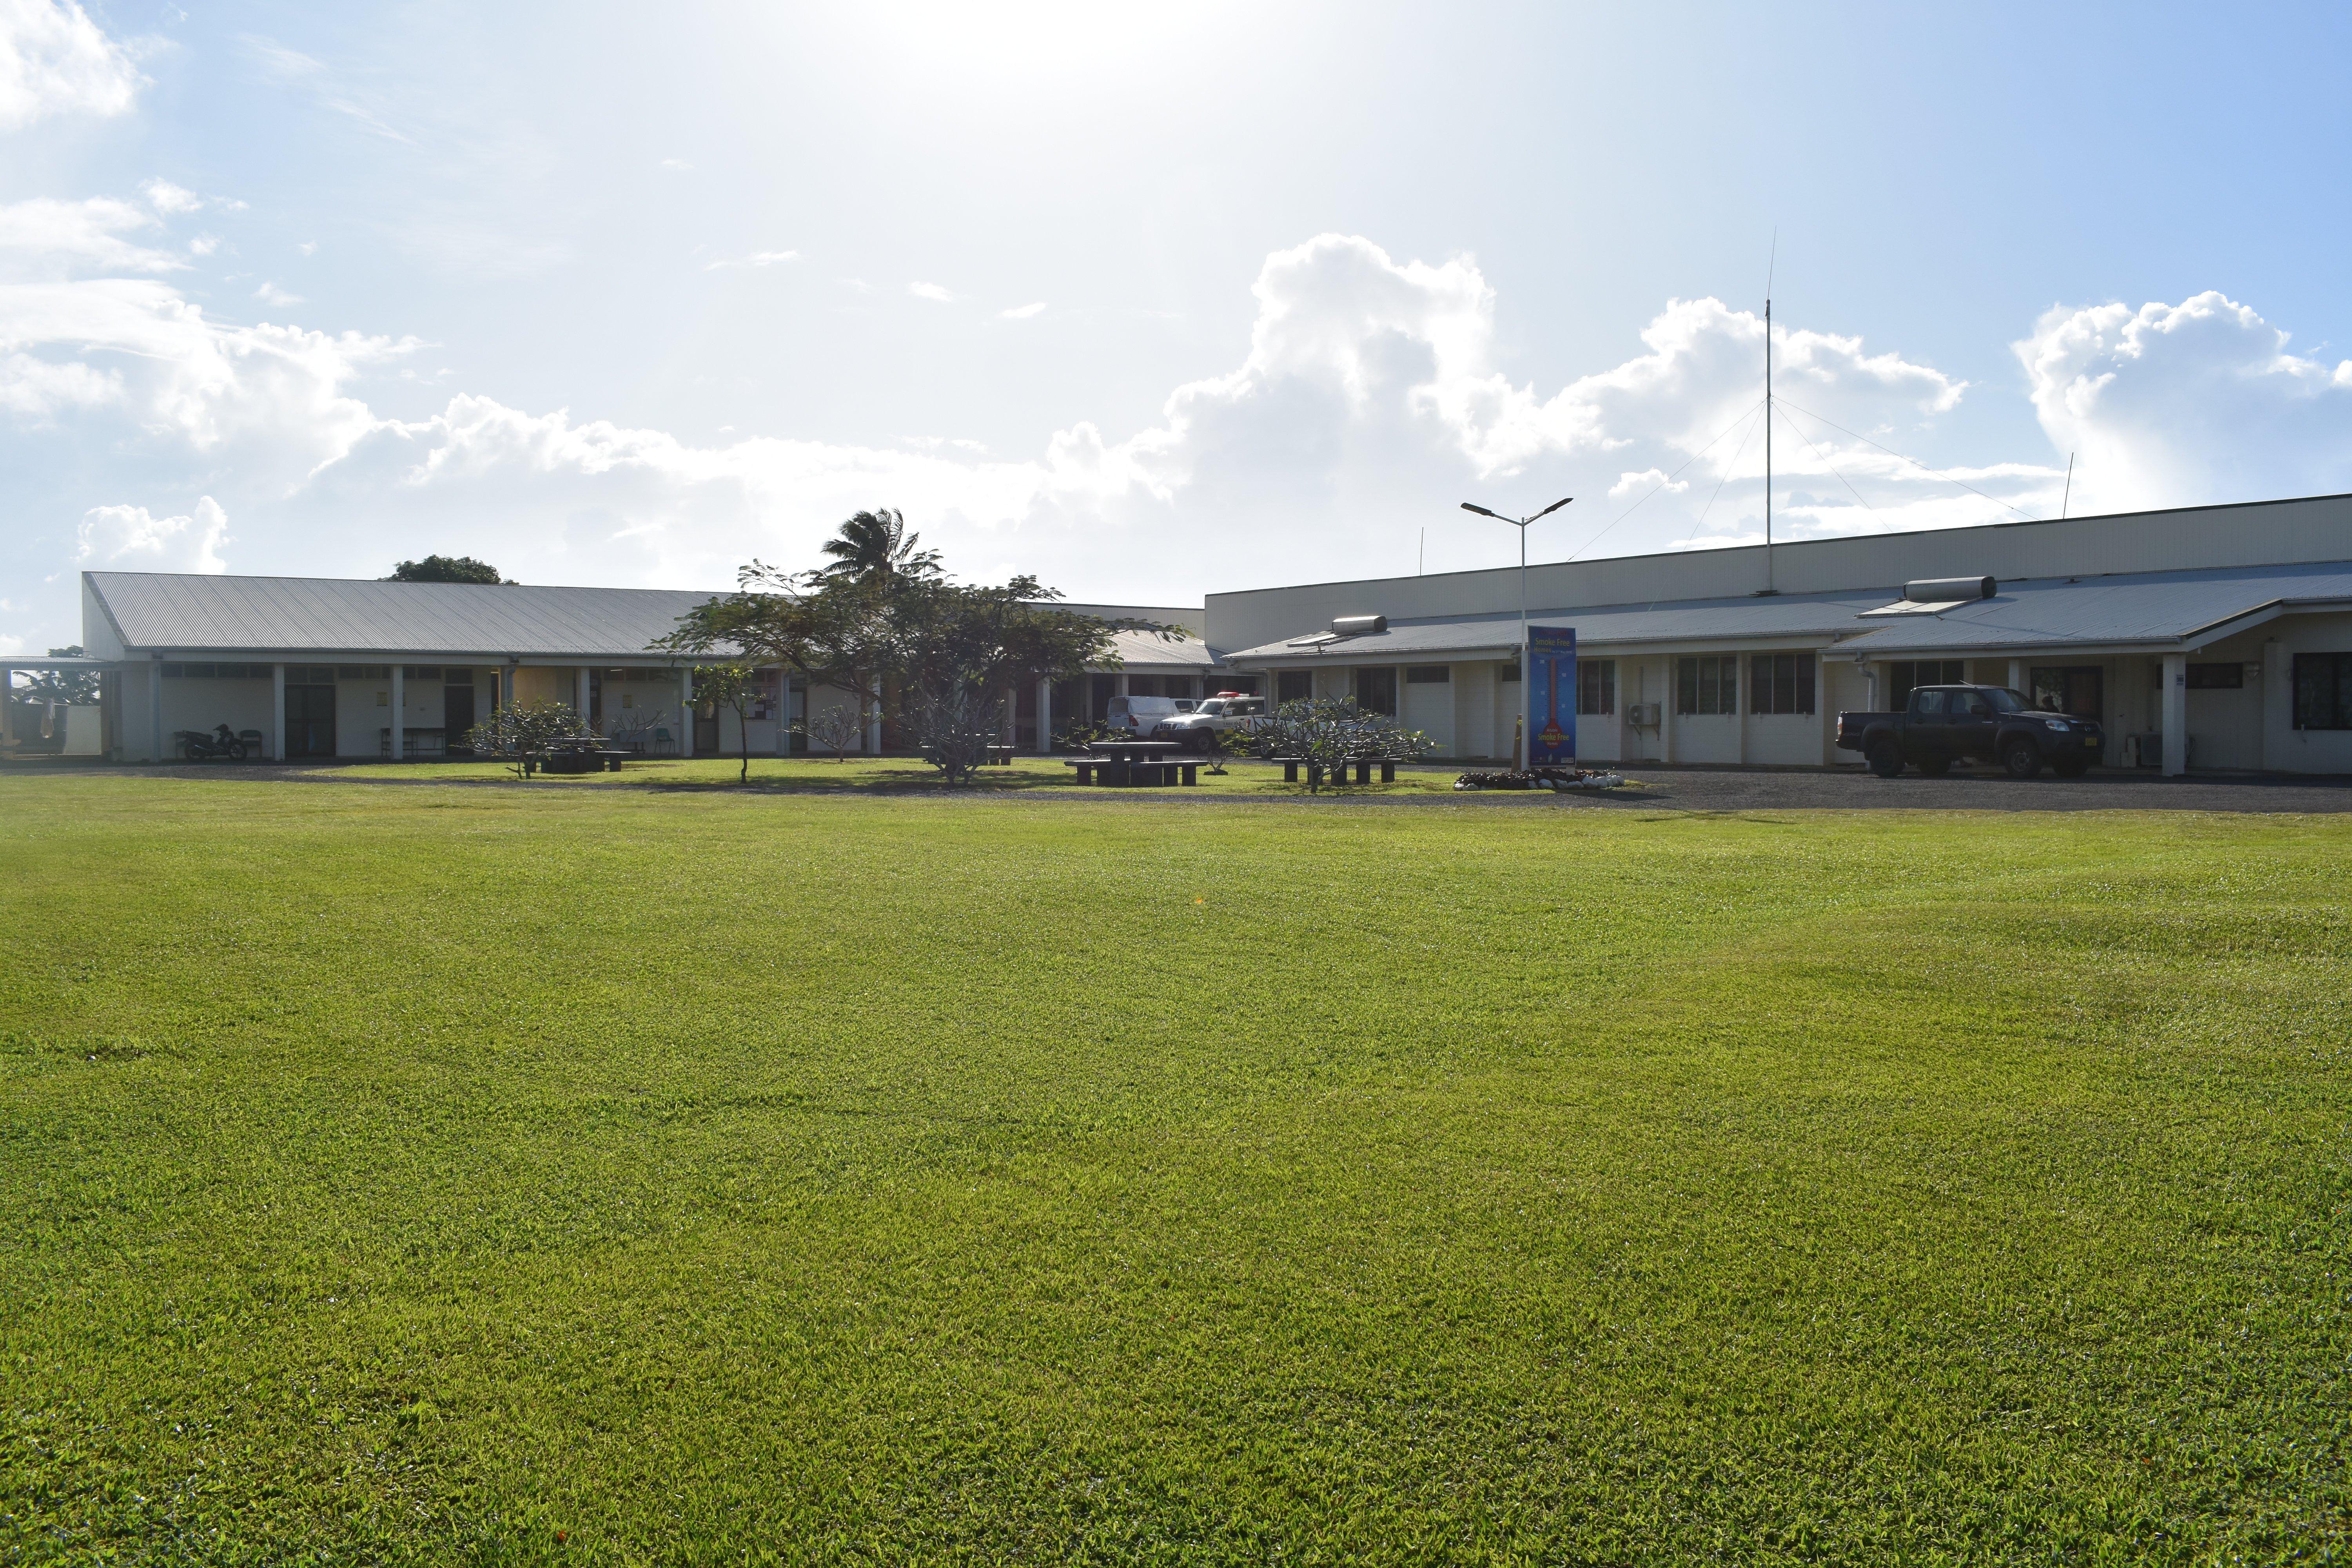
x: 955, y: 649
x: 449, y: 569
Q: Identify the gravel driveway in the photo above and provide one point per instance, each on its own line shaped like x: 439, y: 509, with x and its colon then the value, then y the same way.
x: 1727, y: 789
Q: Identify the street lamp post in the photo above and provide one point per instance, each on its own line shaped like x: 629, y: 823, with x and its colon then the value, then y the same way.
x: 1526, y: 712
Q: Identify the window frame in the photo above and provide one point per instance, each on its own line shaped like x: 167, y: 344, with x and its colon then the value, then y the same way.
x: 2308, y: 680
x: 1781, y: 683
x: 1701, y: 679
x: 1596, y: 687
x: 2210, y: 676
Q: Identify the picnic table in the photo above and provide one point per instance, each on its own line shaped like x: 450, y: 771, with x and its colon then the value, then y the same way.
x: 588, y: 755
x: 1135, y: 763
x: 1364, y: 766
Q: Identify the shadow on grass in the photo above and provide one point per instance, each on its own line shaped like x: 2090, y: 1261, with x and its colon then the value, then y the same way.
x: 882, y: 777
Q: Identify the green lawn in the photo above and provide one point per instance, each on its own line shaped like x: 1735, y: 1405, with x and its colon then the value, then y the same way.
x: 404, y: 1173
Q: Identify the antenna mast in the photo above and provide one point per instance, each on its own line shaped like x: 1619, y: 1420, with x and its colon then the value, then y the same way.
x: 1771, y: 266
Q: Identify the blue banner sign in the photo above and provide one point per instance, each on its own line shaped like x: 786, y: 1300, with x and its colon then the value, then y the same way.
x: 1551, y: 697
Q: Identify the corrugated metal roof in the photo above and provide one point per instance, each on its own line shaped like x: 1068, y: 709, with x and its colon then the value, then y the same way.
x: 1146, y: 647
x: 2139, y: 607
x: 173, y: 612
x: 178, y: 613
x: 1799, y: 615
x: 2145, y: 608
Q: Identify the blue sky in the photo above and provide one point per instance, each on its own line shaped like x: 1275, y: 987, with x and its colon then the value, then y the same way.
x: 1147, y: 300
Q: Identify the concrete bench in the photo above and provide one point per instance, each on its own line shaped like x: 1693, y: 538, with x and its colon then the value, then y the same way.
x: 1119, y: 770
x: 1364, y: 766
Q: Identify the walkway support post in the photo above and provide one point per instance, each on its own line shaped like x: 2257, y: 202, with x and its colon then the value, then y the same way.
x: 2175, y: 722
x: 276, y: 713
x: 1045, y: 718
x: 155, y: 708
x: 686, y: 710
x: 395, y: 731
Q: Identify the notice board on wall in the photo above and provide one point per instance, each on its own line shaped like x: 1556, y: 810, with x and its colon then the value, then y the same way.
x: 1552, y: 696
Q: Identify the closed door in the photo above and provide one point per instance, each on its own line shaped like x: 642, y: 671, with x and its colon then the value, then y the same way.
x: 309, y: 721
x: 456, y: 713
x: 706, y: 730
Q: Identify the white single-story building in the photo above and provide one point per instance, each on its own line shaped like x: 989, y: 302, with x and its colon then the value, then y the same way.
x: 2208, y: 637
x: 325, y: 668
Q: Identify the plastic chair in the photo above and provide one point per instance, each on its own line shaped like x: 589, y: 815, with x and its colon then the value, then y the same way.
x: 663, y: 738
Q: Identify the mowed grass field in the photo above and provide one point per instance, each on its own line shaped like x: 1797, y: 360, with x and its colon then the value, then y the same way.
x: 517, y: 1175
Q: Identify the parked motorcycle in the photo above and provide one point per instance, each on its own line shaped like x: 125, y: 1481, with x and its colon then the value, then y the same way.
x: 222, y: 742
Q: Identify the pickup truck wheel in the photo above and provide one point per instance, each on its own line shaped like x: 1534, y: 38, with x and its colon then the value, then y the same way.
x: 1886, y: 760
x: 2022, y: 758
x: 1935, y: 767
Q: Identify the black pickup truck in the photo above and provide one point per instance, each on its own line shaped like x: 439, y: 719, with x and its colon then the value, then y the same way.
x: 1944, y: 723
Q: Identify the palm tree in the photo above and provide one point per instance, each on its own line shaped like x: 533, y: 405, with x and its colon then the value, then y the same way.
x: 876, y: 544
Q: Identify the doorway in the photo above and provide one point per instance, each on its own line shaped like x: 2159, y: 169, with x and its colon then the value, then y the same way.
x: 457, y: 715
x: 309, y: 721
x: 2077, y: 689
x: 705, y: 729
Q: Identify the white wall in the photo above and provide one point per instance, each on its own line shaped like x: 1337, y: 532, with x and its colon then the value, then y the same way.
x: 200, y: 704
x: 1786, y: 739
x: 1503, y: 716
x: 1706, y: 737
x: 2291, y: 750
x: 360, y: 718
x: 1429, y: 709
x: 1474, y: 710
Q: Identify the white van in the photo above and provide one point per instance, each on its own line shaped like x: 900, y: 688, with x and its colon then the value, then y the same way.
x: 1139, y: 716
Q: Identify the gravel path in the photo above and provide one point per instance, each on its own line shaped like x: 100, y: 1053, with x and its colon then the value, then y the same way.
x: 1726, y: 789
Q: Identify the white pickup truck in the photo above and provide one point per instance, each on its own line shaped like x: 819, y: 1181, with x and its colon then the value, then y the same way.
x: 1227, y: 711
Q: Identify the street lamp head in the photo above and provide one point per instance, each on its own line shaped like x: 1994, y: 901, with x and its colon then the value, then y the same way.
x: 1482, y: 511
x: 1553, y: 508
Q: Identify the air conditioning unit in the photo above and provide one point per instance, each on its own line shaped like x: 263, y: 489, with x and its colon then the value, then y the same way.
x: 1642, y: 715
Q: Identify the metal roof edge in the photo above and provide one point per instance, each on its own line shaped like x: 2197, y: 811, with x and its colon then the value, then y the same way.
x: 1839, y: 539
x: 88, y: 582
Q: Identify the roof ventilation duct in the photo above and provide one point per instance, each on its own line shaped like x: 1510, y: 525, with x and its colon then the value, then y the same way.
x: 1950, y: 590
x: 1365, y: 626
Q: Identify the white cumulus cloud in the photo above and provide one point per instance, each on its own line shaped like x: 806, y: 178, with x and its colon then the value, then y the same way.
x: 171, y: 198
x: 2182, y: 405
x: 130, y: 539
x: 45, y: 237
x: 1645, y: 482
x: 1023, y: 312
x: 1371, y: 400
x: 272, y: 396
x: 55, y: 60
x: 931, y: 291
